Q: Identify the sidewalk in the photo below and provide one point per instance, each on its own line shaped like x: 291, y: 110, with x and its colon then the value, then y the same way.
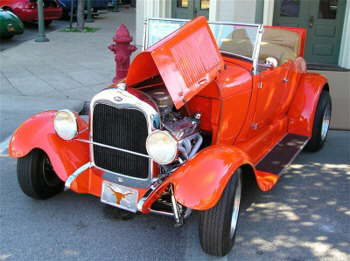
x: 59, y: 74
x: 70, y: 66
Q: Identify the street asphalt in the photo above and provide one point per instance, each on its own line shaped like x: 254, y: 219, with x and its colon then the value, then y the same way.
x: 305, y: 217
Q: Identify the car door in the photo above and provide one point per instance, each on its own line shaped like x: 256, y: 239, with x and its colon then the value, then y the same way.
x: 271, y: 88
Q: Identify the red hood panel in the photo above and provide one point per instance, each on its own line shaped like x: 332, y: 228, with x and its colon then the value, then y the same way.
x: 187, y: 60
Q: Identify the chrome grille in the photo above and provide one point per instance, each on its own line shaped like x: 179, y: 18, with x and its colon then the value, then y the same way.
x: 121, y: 128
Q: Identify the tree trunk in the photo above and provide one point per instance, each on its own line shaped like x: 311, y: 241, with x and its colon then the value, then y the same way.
x: 80, y: 14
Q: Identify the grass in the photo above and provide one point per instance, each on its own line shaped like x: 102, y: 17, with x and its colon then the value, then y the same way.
x: 86, y: 29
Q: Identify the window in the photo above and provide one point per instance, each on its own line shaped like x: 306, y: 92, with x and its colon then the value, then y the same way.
x: 290, y: 8
x: 204, y: 4
x: 327, y: 9
x: 182, y: 3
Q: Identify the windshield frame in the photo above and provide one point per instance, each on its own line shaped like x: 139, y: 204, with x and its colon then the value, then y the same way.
x: 255, y: 54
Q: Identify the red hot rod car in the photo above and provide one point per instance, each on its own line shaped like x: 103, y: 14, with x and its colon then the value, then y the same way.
x: 200, y: 109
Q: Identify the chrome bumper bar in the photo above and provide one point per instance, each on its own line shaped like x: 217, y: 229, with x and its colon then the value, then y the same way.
x: 75, y: 174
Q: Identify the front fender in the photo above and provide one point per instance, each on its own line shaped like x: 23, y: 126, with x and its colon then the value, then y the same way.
x: 38, y: 133
x: 303, y: 107
x: 199, y: 183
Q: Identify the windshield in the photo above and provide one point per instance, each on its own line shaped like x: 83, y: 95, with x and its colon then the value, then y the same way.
x: 238, y: 39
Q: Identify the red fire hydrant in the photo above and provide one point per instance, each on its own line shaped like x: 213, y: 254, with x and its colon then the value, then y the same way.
x: 122, y: 50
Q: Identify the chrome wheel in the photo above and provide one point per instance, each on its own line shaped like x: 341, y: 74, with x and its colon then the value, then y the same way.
x: 325, y: 122
x: 236, y: 204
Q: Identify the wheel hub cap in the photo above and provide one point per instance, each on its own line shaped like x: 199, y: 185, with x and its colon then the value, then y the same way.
x: 236, y: 204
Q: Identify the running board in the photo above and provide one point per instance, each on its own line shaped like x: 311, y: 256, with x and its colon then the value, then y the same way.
x: 282, y: 154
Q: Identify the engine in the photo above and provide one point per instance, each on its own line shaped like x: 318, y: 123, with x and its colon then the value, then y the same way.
x: 185, y: 129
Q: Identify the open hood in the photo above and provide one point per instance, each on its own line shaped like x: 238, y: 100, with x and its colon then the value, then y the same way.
x: 187, y: 60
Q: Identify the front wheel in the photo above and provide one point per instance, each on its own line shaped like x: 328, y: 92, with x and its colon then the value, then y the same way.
x: 36, y: 176
x: 218, y: 225
x: 321, y: 123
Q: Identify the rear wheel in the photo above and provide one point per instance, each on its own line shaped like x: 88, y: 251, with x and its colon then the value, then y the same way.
x: 218, y: 225
x: 36, y: 176
x: 321, y: 123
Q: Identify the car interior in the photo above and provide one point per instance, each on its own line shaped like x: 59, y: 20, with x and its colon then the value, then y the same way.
x: 282, y: 45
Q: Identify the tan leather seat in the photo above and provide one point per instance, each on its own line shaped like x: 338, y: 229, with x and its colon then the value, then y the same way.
x: 280, y: 44
x: 238, y: 43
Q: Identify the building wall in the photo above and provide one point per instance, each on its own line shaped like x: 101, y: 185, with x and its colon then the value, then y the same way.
x: 344, y: 55
x: 229, y: 10
x: 149, y: 8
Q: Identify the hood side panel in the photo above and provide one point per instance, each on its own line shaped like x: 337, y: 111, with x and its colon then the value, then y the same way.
x: 141, y: 69
x: 187, y: 60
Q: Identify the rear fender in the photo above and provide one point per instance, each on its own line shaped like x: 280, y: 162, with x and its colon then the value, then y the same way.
x: 38, y: 133
x: 303, y: 107
x: 199, y: 183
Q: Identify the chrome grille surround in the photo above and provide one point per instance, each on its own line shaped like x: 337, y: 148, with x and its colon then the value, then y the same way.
x: 122, y: 99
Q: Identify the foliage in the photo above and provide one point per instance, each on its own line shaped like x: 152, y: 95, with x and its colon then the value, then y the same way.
x: 86, y: 29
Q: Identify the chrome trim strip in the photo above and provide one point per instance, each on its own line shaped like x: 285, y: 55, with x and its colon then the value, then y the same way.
x: 239, y: 56
x: 162, y: 213
x: 145, y: 28
x: 76, y: 173
x: 256, y: 51
x: 209, y: 22
x: 155, y: 185
x: 113, y: 148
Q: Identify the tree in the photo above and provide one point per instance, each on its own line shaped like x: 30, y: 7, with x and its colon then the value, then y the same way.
x: 80, y: 14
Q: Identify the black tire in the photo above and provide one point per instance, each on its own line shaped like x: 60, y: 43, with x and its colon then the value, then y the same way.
x: 36, y: 177
x: 7, y: 37
x: 215, y: 224
x: 48, y: 22
x: 324, y: 110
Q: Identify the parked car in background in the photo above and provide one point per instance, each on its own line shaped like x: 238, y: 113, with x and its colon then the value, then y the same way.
x: 10, y: 24
x: 96, y: 5
x: 27, y: 10
x: 201, y: 109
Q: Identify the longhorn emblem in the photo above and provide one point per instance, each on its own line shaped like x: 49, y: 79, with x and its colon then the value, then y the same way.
x: 118, y: 195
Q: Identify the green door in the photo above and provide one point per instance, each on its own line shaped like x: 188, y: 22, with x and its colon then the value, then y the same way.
x: 188, y: 9
x: 324, y: 21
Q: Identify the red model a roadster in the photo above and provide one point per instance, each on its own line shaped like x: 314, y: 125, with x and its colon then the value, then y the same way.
x: 200, y: 109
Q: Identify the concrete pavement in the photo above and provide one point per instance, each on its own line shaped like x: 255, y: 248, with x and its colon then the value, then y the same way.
x: 71, y: 65
x: 64, y: 72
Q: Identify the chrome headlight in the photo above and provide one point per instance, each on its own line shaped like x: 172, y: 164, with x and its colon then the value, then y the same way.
x: 162, y: 147
x: 65, y: 124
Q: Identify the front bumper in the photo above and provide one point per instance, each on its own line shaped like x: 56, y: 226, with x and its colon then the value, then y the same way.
x: 89, y: 180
